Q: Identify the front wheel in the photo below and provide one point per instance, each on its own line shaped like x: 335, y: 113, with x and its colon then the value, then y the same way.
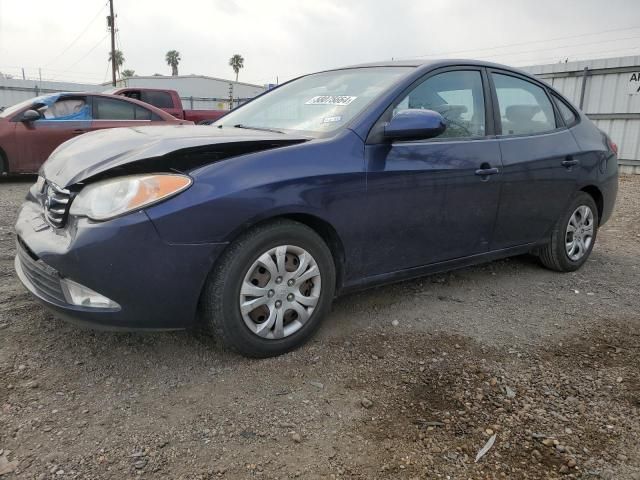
x: 270, y: 290
x: 573, y: 237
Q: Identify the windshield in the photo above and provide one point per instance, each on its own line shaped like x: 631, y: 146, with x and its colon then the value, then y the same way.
x: 9, y: 111
x: 315, y: 104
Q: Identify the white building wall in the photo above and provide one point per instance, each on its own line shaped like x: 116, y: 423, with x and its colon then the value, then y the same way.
x: 14, y: 90
x: 195, y: 86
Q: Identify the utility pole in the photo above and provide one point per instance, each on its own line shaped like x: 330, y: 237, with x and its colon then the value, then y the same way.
x: 112, y: 24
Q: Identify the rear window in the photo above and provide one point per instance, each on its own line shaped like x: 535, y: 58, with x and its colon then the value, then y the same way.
x: 157, y: 99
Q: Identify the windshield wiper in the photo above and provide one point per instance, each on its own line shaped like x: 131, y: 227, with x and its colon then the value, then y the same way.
x: 261, y: 129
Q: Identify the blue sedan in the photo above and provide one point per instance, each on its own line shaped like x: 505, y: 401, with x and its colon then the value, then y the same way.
x: 332, y: 182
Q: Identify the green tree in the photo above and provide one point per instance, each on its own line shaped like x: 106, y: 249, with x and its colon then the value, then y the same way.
x: 119, y: 60
x: 236, y: 62
x: 128, y: 73
x: 173, y: 59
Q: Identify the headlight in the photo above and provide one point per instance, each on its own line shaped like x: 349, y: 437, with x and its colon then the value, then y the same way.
x: 110, y: 198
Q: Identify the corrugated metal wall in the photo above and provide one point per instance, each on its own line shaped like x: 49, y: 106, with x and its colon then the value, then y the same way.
x: 606, y: 98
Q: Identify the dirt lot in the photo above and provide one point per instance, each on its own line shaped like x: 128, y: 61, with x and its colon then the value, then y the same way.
x: 406, y: 381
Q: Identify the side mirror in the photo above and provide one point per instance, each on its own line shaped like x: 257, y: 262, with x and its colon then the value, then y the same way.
x: 30, y: 116
x: 415, y: 124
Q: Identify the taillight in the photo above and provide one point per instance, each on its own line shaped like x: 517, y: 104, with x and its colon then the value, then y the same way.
x: 613, y: 146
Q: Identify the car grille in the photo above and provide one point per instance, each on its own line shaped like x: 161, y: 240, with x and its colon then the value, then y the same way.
x: 56, y: 202
x: 44, y: 278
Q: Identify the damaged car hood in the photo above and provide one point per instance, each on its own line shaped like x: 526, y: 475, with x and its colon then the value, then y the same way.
x: 175, y: 147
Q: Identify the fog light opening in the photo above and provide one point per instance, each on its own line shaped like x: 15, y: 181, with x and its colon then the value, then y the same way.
x: 82, y: 296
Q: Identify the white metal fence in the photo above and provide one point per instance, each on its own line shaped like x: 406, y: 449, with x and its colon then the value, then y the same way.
x: 14, y: 91
x: 607, y: 91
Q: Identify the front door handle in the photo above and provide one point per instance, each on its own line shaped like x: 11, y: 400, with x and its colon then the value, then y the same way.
x: 570, y: 162
x: 78, y: 131
x: 483, y: 172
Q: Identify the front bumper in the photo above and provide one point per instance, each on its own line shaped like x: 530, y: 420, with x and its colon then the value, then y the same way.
x: 156, y: 284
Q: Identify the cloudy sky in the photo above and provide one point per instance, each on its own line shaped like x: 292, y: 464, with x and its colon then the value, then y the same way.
x: 68, y: 39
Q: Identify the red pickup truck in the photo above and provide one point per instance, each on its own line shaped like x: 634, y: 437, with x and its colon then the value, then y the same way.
x: 169, y: 101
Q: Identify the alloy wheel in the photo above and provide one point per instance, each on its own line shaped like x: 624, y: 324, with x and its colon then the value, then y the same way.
x: 579, y: 233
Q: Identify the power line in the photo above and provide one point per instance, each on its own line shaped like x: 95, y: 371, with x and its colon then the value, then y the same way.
x: 106, y: 72
x: 555, y: 47
x: 583, y: 56
x: 78, y: 37
x: 119, y: 46
x: 86, y: 54
x: 53, y: 70
x: 521, y: 43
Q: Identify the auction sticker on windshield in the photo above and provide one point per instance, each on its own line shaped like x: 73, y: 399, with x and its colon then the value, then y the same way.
x: 340, y: 100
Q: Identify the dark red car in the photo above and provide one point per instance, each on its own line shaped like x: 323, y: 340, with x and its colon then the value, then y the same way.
x: 31, y: 130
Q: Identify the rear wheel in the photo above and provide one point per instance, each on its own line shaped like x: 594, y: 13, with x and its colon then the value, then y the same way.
x: 573, y: 237
x: 270, y: 290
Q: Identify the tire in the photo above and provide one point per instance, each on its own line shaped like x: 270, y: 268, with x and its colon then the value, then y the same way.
x: 557, y: 255
x: 259, y: 332
x: 4, y: 166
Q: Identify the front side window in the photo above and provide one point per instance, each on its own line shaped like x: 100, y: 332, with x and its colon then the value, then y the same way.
x: 525, y: 108
x: 457, y: 95
x: 67, y: 109
x: 317, y: 104
x: 109, y: 109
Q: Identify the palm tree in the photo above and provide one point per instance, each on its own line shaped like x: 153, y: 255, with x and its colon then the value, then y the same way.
x: 119, y: 60
x: 128, y: 73
x: 236, y: 62
x: 173, y: 59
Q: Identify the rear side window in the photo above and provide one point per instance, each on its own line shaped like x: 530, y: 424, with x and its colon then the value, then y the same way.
x: 457, y: 96
x: 142, y: 113
x: 566, y: 112
x: 525, y: 108
x: 157, y: 99
x: 109, y: 109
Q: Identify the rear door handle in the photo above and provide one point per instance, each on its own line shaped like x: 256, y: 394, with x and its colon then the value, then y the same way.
x: 78, y: 131
x: 483, y: 172
x: 570, y: 162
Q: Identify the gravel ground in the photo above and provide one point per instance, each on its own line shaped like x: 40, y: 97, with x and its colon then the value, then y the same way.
x: 405, y: 381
